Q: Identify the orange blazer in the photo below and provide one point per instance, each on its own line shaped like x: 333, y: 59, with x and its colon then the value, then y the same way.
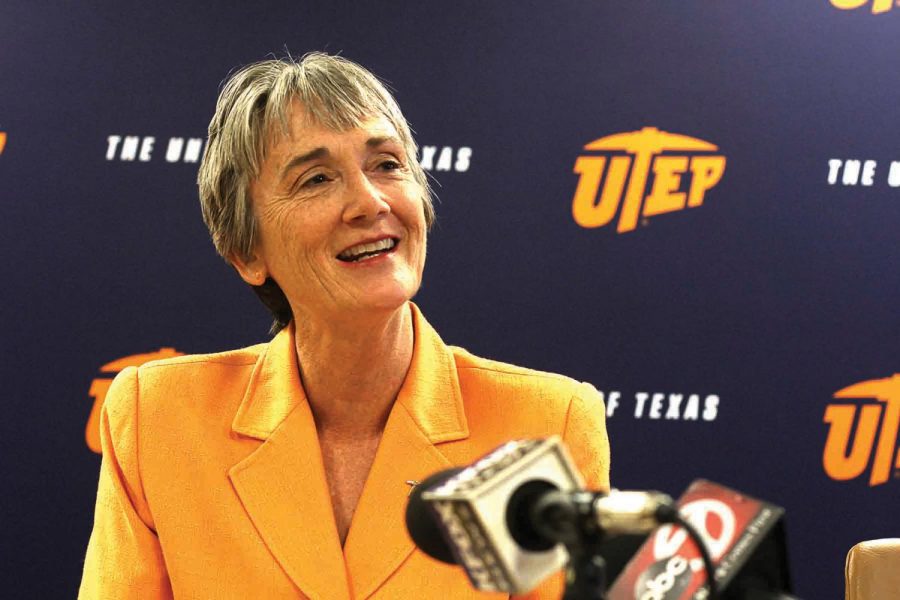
x: 212, y: 484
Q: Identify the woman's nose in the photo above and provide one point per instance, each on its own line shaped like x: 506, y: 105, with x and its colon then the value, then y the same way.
x: 365, y: 201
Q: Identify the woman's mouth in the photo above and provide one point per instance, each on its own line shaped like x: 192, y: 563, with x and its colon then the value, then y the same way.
x: 362, y: 252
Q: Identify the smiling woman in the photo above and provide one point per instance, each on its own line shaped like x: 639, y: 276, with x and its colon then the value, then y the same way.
x: 281, y: 470
x: 265, y: 109
x: 322, y: 201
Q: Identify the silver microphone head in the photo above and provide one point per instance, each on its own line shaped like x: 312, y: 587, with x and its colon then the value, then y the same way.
x: 472, y: 510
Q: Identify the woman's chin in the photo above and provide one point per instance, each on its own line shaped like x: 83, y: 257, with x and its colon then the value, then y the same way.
x: 389, y: 298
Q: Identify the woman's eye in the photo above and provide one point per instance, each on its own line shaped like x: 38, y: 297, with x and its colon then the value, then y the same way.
x: 315, y: 180
x: 390, y: 165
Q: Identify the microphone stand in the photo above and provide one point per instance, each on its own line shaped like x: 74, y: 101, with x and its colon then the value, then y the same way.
x: 586, y: 573
x: 570, y: 520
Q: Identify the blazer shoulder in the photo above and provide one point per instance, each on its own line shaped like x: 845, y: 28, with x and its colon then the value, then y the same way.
x: 237, y: 358
x: 198, y: 369
x: 468, y: 364
x: 170, y: 388
x: 512, y: 384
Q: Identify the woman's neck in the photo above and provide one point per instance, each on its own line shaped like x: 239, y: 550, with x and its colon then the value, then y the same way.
x: 353, y: 368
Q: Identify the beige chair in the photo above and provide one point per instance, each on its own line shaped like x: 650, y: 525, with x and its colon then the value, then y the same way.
x: 873, y: 570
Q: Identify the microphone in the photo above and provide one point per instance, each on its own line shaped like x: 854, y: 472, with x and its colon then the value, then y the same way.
x: 421, y: 524
x: 508, y: 518
x: 743, y: 536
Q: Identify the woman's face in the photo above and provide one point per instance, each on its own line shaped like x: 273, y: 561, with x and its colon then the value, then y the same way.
x: 340, y: 219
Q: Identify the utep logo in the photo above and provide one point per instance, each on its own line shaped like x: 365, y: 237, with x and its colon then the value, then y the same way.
x: 878, y: 6
x: 2, y: 141
x: 100, y: 386
x: 841, y: 465
x: 645, y: 149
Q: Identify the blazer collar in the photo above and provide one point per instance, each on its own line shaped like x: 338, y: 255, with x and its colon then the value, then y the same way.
x: 430, y: 392
x: 274, y: 389
x: 283, y: 485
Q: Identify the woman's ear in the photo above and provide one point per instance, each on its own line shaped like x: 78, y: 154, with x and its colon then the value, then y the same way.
x: 252, y: 269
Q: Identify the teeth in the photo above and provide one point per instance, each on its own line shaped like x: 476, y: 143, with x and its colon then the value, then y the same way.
x: 356, y: 251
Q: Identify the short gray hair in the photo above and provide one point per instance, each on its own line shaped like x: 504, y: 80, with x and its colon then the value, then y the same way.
x: 336, y: 93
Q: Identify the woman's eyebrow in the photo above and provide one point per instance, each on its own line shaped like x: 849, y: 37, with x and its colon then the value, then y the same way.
x: 313, y: 154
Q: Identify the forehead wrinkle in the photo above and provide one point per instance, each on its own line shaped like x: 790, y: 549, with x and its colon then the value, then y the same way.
x: 376, y: 141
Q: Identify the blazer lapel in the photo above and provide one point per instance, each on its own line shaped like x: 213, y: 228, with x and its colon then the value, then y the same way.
x: 282, y: 484
x: 428, y: 410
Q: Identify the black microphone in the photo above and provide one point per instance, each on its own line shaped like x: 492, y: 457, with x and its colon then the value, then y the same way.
x: 421, y: 524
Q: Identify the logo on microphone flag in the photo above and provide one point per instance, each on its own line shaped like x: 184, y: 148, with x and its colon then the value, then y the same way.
x: 100, y: 386
x: 680, y: 169
x: 878, y: 400
x: 2, y: 141
x: 669, y: 567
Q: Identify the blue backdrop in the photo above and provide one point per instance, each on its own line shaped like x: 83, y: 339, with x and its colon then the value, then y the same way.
x: 777, y: 291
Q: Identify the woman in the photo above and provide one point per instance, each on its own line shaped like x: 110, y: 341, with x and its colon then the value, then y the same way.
x: 282, y: 470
